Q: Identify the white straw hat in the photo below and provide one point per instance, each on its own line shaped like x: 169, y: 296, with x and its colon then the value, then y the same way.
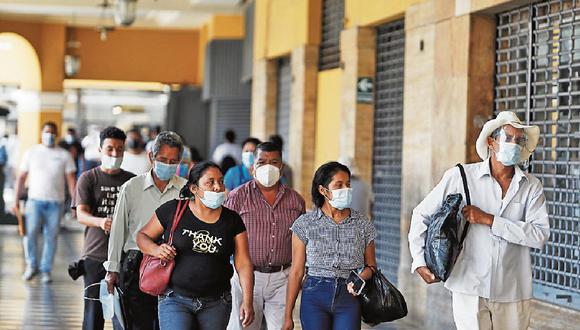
x: 507, y: 118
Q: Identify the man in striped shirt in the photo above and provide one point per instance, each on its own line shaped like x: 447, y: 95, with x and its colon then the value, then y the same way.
x: 268, y: 209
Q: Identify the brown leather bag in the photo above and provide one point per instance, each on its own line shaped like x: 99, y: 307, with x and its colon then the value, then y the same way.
x: 154, y: 273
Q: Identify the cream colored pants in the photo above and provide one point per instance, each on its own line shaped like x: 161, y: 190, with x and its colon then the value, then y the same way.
x: 269, y: 300
x: 476, y: 313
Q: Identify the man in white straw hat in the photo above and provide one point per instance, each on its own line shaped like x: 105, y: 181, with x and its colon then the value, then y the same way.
x: 491, y: 282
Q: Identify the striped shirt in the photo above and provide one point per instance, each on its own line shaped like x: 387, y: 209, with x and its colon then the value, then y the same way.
x: 268, y: 226
x: 334, y: 249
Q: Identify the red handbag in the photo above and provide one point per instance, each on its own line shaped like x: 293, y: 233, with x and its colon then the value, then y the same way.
x: 154, y: 273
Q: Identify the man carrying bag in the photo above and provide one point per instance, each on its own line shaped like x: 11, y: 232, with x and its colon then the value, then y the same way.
x: 491, y: 281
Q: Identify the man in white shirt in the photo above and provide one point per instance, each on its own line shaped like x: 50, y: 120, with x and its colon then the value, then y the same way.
x: 135, y: 159
x: 136, y: 203
x: 46, y: 167
x: 491, y: 282
x: 228, y: 148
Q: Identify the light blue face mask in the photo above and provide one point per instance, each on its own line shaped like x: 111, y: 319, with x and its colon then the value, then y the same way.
x: 213, y: 200
x: 165, y: 171
x: 248, y: 159
x: 341, y: 198
x: 509, y: 153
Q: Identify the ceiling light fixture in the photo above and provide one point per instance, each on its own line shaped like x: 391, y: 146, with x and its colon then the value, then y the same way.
x: 125, y: 12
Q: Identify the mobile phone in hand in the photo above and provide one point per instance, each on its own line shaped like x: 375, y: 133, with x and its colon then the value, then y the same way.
x: 358, y: 282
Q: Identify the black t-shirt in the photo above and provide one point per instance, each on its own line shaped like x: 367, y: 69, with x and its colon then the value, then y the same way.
x: 99, y: 191
x: 202, y: 265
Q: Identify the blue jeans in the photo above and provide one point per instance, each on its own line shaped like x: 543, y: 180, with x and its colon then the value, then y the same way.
x: 326, y: 304
x: 178, y: 312
x: 43, y: 215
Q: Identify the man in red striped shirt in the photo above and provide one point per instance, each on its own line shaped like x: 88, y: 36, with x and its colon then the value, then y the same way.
x: 268, y: 209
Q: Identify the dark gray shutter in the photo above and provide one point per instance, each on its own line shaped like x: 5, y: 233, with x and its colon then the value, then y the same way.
x: 332, y: 24
x: 226, y: 114
x: 188, y: 116
x: 283, y: 102
x: 223, y: 70
x: 248, y: 53
x: 387, y: 145
x: 537, y: 76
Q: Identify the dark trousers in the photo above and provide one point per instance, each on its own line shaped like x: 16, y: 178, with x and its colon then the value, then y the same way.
x: 93, y: 316
x: 140, y: 308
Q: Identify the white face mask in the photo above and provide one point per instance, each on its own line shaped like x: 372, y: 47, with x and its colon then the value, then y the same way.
x: 48, y: 139
x: 268, y: 175
x: 341, y: 198
x: 111, y: 163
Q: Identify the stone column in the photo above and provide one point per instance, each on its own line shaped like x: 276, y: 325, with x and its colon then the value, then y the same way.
x: 357, y: 47
x: 264, y: 85
x: 304, y: 66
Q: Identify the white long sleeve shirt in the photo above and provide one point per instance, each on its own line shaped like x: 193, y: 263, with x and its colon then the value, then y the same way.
x: 495, y: 262
x: 138, y: 199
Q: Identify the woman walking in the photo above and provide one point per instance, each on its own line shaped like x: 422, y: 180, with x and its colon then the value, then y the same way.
x: 330, y: 242
x: 208, y: 234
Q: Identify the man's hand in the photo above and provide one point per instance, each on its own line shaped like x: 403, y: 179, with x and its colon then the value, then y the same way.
x: 476, y: 216
x: 426, y: 275
x: 112, y: 279
x: 106, y: 224
x: 246, y: 314
x: 288, y: 324
x: 165, y: 252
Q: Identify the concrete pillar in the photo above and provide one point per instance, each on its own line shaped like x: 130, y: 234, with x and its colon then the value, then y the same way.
x: 357, y: 47
x: 264, y: 86
x: 304, y: 66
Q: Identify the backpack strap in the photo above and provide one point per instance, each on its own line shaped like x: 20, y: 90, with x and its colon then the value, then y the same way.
x: 467, y: 201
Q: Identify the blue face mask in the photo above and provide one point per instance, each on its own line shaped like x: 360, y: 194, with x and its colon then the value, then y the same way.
x: 213, y: 200
x: 248, y: 159
x: 164, y: 171
x: 509, y: 153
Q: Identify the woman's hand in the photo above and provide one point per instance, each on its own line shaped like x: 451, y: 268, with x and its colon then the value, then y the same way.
x: 165, y: 252
x: 246, y: 313
x: 288, y: 324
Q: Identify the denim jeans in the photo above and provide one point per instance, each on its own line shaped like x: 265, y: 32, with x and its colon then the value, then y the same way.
x: 326, y: 304
x: 43, y: 215
x: 208, y: 313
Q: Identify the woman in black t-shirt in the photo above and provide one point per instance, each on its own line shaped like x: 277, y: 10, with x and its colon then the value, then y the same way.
x: 208, y: 234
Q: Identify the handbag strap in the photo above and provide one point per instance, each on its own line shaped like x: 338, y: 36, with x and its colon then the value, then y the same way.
x: 177, y: 217
x: 467, y: 201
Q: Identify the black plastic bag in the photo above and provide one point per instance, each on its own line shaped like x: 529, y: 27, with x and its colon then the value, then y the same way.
x: 443, y: 243
x: 381, y: 301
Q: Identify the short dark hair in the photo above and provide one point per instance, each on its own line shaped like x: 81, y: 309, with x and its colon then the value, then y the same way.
x: 269, y: 147
x: 278, y: 140
x: 230, y: 136
x: 251, y: 140
x: 195, y: 174
x: 72, y: 130
x: 322, y: 177
x: 134, y: 130
x: 112, y: 132
x: 50, y: 124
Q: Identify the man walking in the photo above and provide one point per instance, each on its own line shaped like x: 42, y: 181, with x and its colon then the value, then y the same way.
x: 491, y: 282
x: 46, y: 167
x: 138, y: 199
x: 268, y: 209
x: 95, y: 201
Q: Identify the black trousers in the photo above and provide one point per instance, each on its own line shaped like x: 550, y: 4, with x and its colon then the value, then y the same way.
x: 140, y: 308
x: 93, y: 312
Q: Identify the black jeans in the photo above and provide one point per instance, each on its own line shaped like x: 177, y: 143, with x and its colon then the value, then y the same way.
x: 93, y: 313
x: 140, y: 308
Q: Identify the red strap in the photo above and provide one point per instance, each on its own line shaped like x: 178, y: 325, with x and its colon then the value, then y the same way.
x: 177, y: 217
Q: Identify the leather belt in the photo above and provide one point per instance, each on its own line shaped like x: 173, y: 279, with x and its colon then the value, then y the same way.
x: 270, y: 268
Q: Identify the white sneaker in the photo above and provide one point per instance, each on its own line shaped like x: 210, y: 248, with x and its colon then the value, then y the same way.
x: 45, y: 278
x: 29, y: 273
